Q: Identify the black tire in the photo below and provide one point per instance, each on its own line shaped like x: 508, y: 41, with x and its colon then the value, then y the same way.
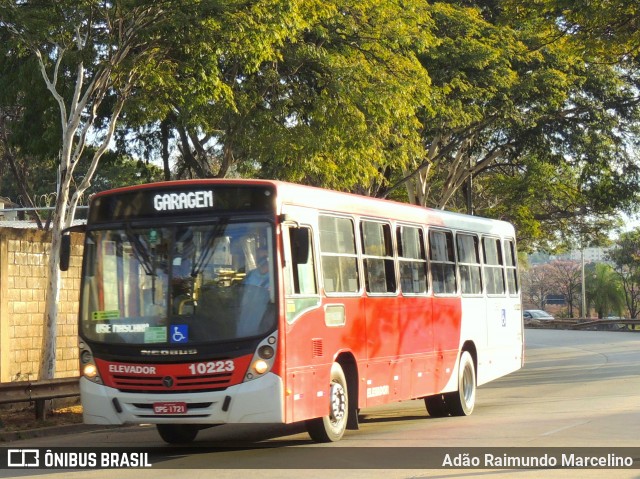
x: 462, y: 401
x: 331, y: 428
x: 436, y: 405
x: 177, y: 433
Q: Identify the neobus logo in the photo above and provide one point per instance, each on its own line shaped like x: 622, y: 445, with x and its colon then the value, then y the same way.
x: 183, y: 201
x: 168, y: 352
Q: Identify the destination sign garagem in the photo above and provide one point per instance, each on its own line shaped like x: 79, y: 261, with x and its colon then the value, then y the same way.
x: 190, y: 200
x: 183, y: 201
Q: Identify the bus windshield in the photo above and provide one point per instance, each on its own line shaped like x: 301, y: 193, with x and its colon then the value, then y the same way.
x: 178, y: 284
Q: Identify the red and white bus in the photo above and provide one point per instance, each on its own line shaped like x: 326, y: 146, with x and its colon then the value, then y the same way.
x: 250, y: 301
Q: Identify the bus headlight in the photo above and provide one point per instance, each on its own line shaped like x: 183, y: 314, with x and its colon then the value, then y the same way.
x: 90, y: 371
x: 260, y: 366
x: 88, y: 367
x: 263, y: 358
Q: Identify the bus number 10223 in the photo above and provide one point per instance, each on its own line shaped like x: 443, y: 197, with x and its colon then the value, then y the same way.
x: 212, y: 367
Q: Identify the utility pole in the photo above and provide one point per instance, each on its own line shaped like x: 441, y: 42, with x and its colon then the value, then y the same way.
x: 469, y: 190
x: 584, y: 292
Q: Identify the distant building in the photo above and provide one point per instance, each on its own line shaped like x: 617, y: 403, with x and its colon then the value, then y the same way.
x: 591, y: 255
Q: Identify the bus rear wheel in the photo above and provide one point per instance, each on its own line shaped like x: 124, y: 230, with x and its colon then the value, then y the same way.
x: 330, y: 428
x: 462, y: 401
x: 177, y: 433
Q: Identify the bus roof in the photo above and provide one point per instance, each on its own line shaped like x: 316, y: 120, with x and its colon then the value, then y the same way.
x: 347, y: 203
x: 344, y: 203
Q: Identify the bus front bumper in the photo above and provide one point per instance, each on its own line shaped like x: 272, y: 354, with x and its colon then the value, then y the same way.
x: 258, y: 401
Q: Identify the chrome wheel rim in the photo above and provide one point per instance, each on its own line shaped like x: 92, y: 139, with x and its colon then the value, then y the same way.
x: 338, y: 403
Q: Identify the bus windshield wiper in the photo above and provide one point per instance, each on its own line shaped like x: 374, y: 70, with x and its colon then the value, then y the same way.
x: 140, y: 251
x: 208, y: 248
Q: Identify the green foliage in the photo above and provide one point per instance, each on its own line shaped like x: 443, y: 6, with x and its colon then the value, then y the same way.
x: 626, y: 258
x: 116, y: 171
x: 537, y: 102
x: 530, y: 104
x: 331, y: 87
x: 606, y: 28
x: 604, y: 290
x: 627, y: 252
x: 347, y: 95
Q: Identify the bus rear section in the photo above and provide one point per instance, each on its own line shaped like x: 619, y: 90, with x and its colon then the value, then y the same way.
x: 395, y: 305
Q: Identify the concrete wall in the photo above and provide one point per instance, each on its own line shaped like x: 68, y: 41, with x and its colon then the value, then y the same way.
x: 24, y: 257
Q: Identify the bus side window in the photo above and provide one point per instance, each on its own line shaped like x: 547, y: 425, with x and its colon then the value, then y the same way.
x: 303, y: 268
x: 469, y: 263
x: 412, y: 260
x: 512, y: 268
x: 493, y: 266
x: 443, y: 262
x: 378, y: 257
x: 338, y: 255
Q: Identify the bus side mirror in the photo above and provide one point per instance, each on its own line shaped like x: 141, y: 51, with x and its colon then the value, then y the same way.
x: 65, y: 251
x: 300, y: 245
x: 65, y: 245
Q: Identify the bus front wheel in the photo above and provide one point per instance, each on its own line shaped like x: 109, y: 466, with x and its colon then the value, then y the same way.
x: 177, y: 433
x: 462, y: 401
x: 436, y: 405
x: 330, y: 428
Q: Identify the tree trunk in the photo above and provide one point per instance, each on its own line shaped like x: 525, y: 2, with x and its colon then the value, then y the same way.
x: 50, y: 329
x: 164, y: 138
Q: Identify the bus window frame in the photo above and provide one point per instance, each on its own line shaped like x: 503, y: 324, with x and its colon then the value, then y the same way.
x: 514, y: 256
x: 392, y: 249
x: 479, y: 265
x: 356, y: 255
x: 500, y: 266
x: 288, y: 273
x: 456, y: 291
x: 425, y: 258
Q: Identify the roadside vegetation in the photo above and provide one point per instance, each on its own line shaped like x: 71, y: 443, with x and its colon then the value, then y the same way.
x: 527, y: 112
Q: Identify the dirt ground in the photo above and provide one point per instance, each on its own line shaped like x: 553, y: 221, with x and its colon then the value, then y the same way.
x: 20, y: 418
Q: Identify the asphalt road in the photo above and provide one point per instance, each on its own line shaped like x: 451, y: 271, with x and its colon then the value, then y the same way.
x: 578, y: 389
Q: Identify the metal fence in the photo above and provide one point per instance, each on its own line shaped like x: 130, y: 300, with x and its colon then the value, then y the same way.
x: 39, y: 392
x: 586, y: 324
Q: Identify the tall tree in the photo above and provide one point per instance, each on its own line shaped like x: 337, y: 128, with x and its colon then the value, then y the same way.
x: 86, y: 51
x: 523, y: 98
x: 340, y: 93
x: 537, y: 286
x: 604, y: 290
x: 348, y: 98
x: 28, y: 131
x: 566, y: 278
x: 626, y: 258
x: 30, y: 137
x: 96, y: 55
x: 368, y: 89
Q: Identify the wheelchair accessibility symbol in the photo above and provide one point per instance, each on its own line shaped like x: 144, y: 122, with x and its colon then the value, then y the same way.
x: 179, y: 333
